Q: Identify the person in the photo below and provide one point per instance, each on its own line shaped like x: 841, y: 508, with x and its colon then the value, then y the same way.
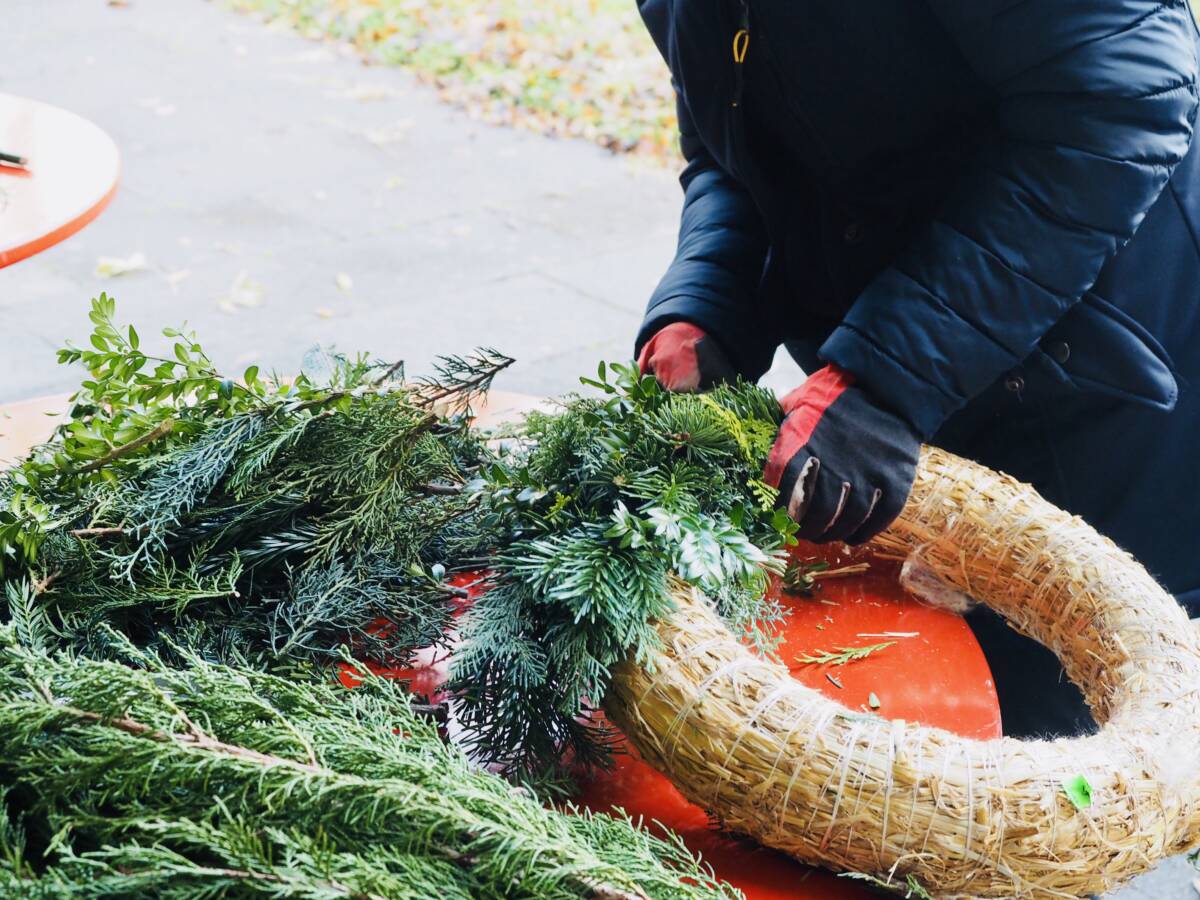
x: 975, y: 224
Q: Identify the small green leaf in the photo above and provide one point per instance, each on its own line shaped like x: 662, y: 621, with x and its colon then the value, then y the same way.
x: 1078, y: 791
x: 873, y: 700
x: 133, y: 337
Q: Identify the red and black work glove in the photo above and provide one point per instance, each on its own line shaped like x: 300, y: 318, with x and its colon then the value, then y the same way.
x: 844, y: 464
x: 684, y: 359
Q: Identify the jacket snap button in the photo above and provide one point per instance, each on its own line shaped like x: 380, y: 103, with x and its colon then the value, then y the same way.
x: 853, y: 233
x: 1014, y: 383
x: 1060, y: 351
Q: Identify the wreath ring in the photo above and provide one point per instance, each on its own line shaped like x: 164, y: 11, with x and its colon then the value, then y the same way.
x: 773, y: 759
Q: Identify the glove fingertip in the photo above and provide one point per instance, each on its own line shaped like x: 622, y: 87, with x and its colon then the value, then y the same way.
x: 885, y: 511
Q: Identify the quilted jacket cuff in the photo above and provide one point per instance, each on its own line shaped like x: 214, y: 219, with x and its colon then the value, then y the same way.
x: 924, y: 404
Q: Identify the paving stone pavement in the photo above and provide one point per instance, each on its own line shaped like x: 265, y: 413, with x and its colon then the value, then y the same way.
x: 250, y: 153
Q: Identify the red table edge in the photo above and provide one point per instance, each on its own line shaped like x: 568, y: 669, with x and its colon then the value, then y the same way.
x: 60, y: 234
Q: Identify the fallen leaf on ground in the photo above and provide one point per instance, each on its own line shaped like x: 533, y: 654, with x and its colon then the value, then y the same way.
x: 113, y: 266
x: 364, y: 93
x: 176, y: 277
x: 157, y: 106
x: 344, y: 282
x: 244, y: 293
x: 389, y: 134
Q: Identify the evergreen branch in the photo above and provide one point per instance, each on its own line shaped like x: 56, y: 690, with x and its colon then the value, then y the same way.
x: 462, y: 378
x: 803, y: 576
x: 95, y: 745
x: 162, y: 429
x: 264, y: 877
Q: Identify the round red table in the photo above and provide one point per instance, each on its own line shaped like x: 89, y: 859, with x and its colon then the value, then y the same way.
x: 71, y: 176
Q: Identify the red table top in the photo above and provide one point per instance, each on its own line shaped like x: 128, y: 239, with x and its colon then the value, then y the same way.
x: 72, y: 174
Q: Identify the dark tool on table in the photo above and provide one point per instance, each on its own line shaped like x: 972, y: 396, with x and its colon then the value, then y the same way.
x: 11, y: 159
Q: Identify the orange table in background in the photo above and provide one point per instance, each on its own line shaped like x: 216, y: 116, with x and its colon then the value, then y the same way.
x: 934, y: 673
x: 72, y: 175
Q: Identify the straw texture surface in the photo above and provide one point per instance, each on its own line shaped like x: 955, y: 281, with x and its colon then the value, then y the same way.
x: 771, y: 758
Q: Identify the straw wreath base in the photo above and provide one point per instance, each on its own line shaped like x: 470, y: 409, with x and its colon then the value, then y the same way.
x: 773, y: 759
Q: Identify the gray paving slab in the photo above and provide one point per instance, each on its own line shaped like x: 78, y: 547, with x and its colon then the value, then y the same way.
x: 250, y: 152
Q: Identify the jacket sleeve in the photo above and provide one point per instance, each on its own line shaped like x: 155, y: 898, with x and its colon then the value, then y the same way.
x: 713, y: 280
x: 1095, y: 102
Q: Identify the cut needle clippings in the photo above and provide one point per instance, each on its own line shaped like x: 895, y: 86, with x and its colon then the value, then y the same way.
x: 840, y: 656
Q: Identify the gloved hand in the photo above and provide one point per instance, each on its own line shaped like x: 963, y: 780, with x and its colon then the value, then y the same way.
x: 684, y: 359
x: 844, y: 464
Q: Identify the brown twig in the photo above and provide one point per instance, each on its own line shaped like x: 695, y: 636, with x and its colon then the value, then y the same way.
x: 843, y: 572
x: 454, y: 591
x: 162, y: 429
x: 96, y: 532
x: 44, y: 584
x: 440, y: 490
x: 391, y: 370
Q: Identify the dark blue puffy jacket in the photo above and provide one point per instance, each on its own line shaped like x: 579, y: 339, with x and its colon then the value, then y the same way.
x: 942, y: 196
